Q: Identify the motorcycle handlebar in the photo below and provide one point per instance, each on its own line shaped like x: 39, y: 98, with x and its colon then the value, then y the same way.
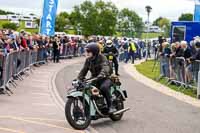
x: 110, y: 54
x: 90, y: 80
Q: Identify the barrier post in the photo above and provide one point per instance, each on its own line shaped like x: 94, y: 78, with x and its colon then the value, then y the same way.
x: 198, y: 85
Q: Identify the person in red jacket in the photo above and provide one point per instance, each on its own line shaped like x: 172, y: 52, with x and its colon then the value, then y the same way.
x: 24, y: 42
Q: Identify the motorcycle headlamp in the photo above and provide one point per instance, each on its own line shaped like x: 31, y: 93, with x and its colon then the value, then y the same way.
x: 109, y: 45
x: 75, y: 83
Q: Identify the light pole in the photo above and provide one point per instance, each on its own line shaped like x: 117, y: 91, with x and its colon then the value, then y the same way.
x: 148, y: 10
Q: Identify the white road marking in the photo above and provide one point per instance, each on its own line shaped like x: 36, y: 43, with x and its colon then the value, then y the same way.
x: 43, y: 104
x: 41, y: 94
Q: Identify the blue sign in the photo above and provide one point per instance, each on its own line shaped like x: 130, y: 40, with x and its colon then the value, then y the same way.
x: 47, y: 26
x: 197, y: 10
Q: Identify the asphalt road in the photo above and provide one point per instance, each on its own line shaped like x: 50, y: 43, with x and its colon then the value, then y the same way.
x: 151, y: 111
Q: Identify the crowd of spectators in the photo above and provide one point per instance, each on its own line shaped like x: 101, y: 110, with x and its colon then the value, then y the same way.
x: 54, y: 47
x: 179, y: 60
x: 128, y: 48
x: 62, y: 45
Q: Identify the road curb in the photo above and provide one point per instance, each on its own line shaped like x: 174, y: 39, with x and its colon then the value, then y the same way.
x: 56, y: 96
x: 131, y: 70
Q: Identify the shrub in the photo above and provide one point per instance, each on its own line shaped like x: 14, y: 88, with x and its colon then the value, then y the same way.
x: 9, y: 25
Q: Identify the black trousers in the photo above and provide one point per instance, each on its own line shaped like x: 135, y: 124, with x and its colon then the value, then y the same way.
x: 56, y: 56
x: 116, y: 65
x: 104, y: 85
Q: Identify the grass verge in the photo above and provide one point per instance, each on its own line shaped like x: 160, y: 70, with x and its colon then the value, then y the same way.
x: 150, y: 35
x: 146, y: 68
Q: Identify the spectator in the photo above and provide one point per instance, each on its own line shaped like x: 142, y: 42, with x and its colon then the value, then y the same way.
x: 125, y: 47
x: 131, y: 52
x: 121, y: 51
x: 56, y: 55
x: 148, y: 50
x: 24, y: 42
x: 187, y: 55
x: 1, y: 41
x: 172, y: 61
x: 164, y: 55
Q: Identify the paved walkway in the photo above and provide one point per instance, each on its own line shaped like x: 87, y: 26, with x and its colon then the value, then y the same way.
x: 32, y: 108
x: 129, y: 68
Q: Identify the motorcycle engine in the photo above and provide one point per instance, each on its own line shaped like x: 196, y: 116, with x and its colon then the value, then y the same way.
x: 100, y: 102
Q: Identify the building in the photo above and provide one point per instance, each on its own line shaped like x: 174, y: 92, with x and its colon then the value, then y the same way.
x: 31, y: 24
x: 153, y: 29
x: 15, y: 17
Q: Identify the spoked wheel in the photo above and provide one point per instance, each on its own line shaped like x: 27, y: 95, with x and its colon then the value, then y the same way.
x: 77, y: 114
x: 111, y: 66
x: 119, y: 104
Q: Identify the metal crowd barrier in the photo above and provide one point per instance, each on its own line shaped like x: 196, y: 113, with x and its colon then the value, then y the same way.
x: 14, y: 65
x: 42, y: 55
x: 175, y: 69
x: 183, y: 73
x: 196, y: 75
x: 66, y: 51
x: 179, y: 71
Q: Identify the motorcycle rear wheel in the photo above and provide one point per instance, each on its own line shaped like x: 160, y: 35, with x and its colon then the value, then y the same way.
x: 120, y: 106
x: 70, y: 119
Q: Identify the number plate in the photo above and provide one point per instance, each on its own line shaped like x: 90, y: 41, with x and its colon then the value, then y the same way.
x: 110, y: 57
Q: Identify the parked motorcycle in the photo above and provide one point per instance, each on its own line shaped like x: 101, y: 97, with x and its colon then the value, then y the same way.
x: 85, y: 103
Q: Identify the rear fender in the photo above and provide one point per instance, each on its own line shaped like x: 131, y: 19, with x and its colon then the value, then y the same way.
x: 75, y: 94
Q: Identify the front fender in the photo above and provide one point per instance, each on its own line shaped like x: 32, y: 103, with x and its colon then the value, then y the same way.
x: 75, y: 94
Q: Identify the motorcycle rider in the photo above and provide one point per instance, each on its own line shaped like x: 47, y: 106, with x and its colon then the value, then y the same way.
x: 110, y: 48
x: 99, y: 67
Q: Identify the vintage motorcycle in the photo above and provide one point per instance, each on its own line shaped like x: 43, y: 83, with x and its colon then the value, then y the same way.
x: 85, y: 103
x: 110, y: 56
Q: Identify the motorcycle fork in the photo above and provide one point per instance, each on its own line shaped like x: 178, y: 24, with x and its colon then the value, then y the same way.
x: 84, y: 105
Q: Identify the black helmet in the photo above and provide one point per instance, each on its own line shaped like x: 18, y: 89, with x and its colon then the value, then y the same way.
x: 197, y: 44
x: 93, y: 48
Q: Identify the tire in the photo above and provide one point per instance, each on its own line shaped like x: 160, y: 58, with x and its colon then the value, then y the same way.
x: 71, y: 121
x: 111, y: 67
x: 120, y: 106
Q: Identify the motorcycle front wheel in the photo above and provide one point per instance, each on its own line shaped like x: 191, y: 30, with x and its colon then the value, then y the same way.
x: 77, y: 114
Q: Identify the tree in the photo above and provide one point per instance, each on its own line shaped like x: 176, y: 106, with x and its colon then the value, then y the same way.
x: 99, y: 18
x: 155, y: 23
x: 61, y: 21
x: 9, y: 25
x: 129, y: 23
x: 2, y: 12
x: 64, y: 14
x: 186, y: 17
x: 37, y: 21
x: 32, y: 14
x: 107, y: 18
x: 164, y: 24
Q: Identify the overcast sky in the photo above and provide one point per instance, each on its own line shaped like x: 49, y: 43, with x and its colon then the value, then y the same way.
x: 166, y: 8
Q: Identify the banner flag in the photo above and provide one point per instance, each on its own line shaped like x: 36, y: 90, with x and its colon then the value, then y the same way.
x: 47, y: 25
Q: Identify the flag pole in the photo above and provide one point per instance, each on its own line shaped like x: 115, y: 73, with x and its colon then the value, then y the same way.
x: 194, y: 10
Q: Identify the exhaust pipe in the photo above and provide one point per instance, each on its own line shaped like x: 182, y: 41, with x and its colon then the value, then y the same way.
x: 121, y: 111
